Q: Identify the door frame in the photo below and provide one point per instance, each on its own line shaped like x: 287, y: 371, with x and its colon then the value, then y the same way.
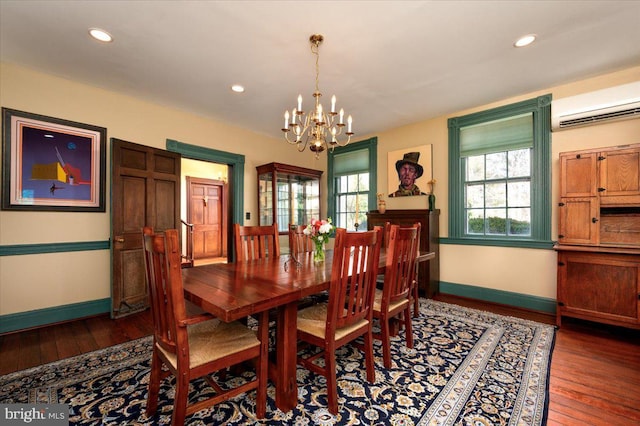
x: 235, y: 179
x: 224, y: 220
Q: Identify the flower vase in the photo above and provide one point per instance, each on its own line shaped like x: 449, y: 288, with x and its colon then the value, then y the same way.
x: 318, y: 252
x: 382, y: 206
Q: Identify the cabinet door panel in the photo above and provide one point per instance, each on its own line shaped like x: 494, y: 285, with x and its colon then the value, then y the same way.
x: 620, y: 174
x: 579, y: 174
x: 578, y: 221
x: 600, y: 285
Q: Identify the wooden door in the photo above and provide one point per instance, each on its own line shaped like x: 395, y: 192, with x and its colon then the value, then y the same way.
x: 206, y: 212
x: 145, y: 187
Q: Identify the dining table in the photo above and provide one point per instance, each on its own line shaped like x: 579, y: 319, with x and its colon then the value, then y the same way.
x: 232, y: 291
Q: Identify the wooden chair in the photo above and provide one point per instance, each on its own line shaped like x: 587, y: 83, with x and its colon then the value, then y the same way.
x: 193, y: 347
x: 399, y: 280
x: 301, y: 244
x: 298, y: 241
x: 348, y: 313
x: 256, y: 242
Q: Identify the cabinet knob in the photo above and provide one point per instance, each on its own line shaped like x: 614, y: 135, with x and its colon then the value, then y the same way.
x: 594, y: 220
x: 602, y: 189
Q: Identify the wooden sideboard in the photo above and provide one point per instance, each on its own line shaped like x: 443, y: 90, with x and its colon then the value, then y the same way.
x: 599, y: 236
x: 428, y: 272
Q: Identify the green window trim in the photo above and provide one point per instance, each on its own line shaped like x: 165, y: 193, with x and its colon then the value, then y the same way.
x: 540, y: 107
x: 370, y: 144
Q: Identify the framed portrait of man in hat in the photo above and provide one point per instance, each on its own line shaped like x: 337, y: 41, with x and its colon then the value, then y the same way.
x: 409, y: 170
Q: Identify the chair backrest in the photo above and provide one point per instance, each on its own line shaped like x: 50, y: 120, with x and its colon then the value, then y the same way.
x: 385, y: 234
x: 353, y: 277
x: 256, y: 242
x: 298, y: 241
x: 164, y: 278
x: 400, y: 267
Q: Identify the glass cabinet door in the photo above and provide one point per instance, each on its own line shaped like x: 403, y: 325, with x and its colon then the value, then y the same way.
x: 290, y: 193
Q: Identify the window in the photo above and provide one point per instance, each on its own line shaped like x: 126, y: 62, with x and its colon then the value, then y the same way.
x: 500, y: 174
x: 352, y: 183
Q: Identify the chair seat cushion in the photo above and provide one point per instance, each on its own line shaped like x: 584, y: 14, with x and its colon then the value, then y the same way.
x: 313, y: 320
x: 215, y: 339
x: 377, y: 302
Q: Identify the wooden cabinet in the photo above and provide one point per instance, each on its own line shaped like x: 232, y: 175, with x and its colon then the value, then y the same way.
x: 429, y: 271
x: 600, y: 197
x: 287, y: 195
x: 601, y: 285
x: 599, y: 236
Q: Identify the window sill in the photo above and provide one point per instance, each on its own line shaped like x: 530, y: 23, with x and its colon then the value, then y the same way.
x: 536, y: 244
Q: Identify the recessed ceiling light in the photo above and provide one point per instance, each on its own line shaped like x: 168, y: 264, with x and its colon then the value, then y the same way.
x: 100, y: 35
x: 237, y: 88
x: 525, y: 40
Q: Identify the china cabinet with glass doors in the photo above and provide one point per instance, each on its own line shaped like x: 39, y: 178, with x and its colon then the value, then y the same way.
x: 287, y: 195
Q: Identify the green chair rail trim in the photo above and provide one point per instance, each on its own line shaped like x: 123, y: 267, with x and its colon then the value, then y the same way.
x: 20, y: 249
x: 39, y: 317
x: 526, y: 301
x: 546, y: 245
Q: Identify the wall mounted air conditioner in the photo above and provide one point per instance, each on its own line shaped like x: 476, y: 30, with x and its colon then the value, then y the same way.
x: 615, y: 103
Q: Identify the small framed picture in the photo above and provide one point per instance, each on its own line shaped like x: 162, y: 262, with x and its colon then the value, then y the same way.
x: 51, y: 164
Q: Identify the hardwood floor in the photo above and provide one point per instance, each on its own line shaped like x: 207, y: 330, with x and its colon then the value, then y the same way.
x: 595, y: 369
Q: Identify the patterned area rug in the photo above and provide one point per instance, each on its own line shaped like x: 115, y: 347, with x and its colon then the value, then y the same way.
x: 468, y: 367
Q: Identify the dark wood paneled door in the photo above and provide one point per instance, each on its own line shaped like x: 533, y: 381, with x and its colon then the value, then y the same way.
x: 206, y: 211
x: 145, y: 191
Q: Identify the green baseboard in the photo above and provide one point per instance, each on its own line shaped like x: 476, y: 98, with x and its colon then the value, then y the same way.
x: 38, y: 317
x: 534, y: 303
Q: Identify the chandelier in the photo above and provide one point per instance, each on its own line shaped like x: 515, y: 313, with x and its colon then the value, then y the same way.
x: 318, y: 128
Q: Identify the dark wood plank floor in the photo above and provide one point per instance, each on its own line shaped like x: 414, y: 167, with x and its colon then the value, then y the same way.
x: 595, y: 369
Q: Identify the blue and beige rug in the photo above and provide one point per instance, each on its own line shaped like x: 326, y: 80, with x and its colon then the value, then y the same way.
x: 468, y: 367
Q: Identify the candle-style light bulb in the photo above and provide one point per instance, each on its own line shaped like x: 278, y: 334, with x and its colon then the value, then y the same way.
x: 333, y: 103
x: 341, y: 116
x: 299, y: 102
x: 294, y: 114
x: 286, y: 119
x: 319, y: 112
x: 349, y: 120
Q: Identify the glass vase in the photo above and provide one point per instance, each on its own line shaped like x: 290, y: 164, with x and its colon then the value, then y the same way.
x: 318, y: 252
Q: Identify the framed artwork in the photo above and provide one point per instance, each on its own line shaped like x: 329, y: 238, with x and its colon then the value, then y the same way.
x: 51, y: 164
x: 409, y: 171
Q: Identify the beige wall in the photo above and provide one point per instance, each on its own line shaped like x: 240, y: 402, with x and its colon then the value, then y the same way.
x: 32, y: 282
x: 526, y: 271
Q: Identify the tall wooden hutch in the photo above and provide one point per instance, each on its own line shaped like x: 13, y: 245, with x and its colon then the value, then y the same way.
x: 287, y: 195
x: 599, y: 236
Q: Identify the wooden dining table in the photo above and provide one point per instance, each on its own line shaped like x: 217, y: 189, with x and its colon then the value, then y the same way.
x: 232, y: 291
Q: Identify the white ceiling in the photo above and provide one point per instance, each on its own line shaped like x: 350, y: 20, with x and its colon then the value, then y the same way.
x: 389, y: 63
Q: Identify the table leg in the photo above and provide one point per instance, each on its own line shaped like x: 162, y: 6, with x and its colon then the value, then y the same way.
x: 286, y: 351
